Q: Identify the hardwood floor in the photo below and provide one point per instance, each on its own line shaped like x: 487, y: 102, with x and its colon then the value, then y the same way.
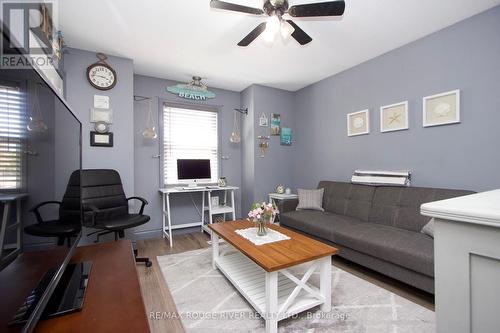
x: 157, y: 297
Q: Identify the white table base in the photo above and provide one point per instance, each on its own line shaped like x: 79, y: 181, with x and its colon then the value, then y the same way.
x: 274, y: 295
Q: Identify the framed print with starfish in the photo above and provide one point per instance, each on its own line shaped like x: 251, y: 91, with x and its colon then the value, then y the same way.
x: 394, y: 117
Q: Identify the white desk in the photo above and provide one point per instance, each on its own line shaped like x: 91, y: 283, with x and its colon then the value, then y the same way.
x: 225, y: 209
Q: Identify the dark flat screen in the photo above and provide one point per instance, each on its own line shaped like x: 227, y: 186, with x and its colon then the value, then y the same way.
x: 193, y: 169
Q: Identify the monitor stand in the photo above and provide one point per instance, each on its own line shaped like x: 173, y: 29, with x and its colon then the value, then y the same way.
x: 68, y: 296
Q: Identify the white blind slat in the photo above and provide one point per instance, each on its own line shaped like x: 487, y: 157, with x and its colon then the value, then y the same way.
x: 189, y: 134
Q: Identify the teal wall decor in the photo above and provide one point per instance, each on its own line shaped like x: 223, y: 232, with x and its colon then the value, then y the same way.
x: 286, y: 136
x: 194, y: 90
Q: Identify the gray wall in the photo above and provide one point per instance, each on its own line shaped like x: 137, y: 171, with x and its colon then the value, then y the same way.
x: 147, y: 169
x: 465, y: 56
x: 261, y: 174
x: 80, y: 96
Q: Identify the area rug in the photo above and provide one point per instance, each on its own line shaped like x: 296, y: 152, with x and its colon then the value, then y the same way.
x: 207, y: 302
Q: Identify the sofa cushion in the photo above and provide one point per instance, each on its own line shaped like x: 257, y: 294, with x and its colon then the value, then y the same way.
x: 310, y: 199
x: 400, y: 206
x: 405, y: 248
x: 348, y: 199
x: 318, y: 224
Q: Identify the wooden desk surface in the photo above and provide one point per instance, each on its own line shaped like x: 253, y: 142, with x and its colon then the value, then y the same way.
x: 274, y: 256
x: 113, y: 300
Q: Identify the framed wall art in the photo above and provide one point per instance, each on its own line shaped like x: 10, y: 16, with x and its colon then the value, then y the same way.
x: 394, y: 117
x: 275, y: 124
x: 441, y: 109
x: 286, y: 136
x: 358, y: 123
x: 263, y: 121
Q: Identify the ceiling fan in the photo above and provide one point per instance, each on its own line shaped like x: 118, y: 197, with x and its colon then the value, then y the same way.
x: 276, y: 10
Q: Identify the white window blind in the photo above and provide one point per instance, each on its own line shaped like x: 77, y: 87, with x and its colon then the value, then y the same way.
x: 189, y: 134
x: 12, y: 132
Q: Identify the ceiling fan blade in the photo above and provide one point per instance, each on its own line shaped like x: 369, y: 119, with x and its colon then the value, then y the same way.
x: 299, y: 34
x: 235, y: 8
x: 253, y: 35
x: 332, y: 8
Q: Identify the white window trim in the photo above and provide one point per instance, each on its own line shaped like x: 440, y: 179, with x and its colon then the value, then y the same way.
x: 162, y: 103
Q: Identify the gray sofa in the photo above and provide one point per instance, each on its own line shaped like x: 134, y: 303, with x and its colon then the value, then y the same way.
x: 377, y: 227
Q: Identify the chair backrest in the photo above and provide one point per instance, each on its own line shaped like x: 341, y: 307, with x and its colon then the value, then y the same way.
x: 102, y: 188
x: 70, y: 208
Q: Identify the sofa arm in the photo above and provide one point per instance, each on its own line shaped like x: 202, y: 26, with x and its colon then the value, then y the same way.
x: 288, y: 205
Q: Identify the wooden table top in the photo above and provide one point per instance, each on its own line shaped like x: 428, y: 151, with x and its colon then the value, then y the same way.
x: 113, y: 300
x: 273, y: 256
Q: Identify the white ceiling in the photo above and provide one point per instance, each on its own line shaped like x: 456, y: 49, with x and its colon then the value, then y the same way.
x: 176, y: 39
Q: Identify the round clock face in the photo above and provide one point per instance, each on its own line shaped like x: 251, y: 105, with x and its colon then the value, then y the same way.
x: 101, y: 76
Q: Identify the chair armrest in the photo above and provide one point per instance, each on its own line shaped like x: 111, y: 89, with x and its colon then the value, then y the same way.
x: 36, y: 210
x: 142, y: 200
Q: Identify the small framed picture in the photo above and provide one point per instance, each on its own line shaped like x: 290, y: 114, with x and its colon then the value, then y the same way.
x: 441, y: 109
x: 394, y: 117
x: 214, y: 201
x: 101, y: 139
x: 358, y: 123
x: 286, y: 136
x: 263, y: 121
x: 275, y: 124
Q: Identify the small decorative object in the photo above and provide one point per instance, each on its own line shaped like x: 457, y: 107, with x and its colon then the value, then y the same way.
x: 280, y: 189
x: 288, y: 190
x: 219, y: 218
x: 195, y: 90
x: 262, y: 213
x: 101, y: 102
x: 150, y: 131
x: 101, y: 75
x: 394, y: 117
x: 235, y: 134
x: 275, y: 124
x: 358, y: 123
x: 286, y: 136
x: 101, y: 139
x: 214, y: 201
x: 105, y: 115
x: 222, y: 182
x: 441, y: 109
x: 101, y: 127
x: 263, y: 145
x: 263, y: 121
x: 36, y: 122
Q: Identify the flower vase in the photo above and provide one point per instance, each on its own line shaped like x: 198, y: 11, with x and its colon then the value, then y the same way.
x: 262, y: 227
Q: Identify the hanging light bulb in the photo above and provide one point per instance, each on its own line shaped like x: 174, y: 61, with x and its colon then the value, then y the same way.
x: 150, y: 131
x: 235, y: 134
x: 272, y: 28
x: 36, y: 123
x: 286, y: 29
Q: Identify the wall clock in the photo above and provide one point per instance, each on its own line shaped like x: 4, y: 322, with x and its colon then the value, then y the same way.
x: 101, y: 75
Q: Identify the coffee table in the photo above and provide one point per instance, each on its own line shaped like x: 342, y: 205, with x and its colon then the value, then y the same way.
x: 261, y: 273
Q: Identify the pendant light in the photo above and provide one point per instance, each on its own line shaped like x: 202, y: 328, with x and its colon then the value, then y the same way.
x: 235, y: 134
x: 150, y: 131
x: 36, y: 123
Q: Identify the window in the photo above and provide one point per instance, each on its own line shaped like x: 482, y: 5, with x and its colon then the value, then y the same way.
x: 12, y: 131
x: 189, y: 134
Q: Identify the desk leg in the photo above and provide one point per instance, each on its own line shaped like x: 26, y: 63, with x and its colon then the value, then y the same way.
x: 210, y: 207
x: 19, y: 226
x: 325, y: 283
x: 271, y: 302
x: 169, y: 221
x: 163, y: 213
x: 232, y: 204
x: 202, y: 210
x: 215, y: 248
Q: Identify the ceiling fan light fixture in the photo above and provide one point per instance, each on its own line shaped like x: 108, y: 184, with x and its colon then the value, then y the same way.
x: 272, y: 29
x: 286, y: 29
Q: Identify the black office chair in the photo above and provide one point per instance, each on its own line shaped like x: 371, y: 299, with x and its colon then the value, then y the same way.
x: 68, y: 224
x: 106, y: 207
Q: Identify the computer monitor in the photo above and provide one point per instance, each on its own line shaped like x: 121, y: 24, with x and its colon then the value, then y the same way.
x: 194, y: 171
